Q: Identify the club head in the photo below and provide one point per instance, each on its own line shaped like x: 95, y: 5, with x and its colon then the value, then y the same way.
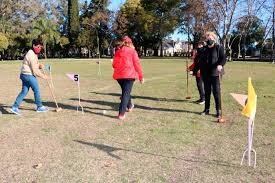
x: 188, y: 97
x: 221, y: 120
x: 58, y: 109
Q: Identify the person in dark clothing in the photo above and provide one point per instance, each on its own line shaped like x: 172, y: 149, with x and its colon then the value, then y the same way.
x: 195, y: 71
x: 211, y: 68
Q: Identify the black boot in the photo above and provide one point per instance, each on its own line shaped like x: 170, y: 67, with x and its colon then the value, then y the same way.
x: 218, y: 113
x: 205, y: 112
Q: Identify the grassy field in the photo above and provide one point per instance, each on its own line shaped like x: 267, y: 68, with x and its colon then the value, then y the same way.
x: 163, y: 140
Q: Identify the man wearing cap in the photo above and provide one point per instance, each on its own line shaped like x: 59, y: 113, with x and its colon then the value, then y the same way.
x: 29, y: 71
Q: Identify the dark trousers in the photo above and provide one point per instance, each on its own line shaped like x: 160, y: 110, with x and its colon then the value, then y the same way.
x: 212, y: 83
x: 200, y: 87
x: 126, y: 88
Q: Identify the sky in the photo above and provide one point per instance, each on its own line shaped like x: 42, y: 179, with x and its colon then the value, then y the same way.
x: 115, y: 4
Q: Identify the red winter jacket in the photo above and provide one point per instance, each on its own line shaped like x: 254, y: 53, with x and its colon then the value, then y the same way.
x: 126, y: 64
x: 194, y: 64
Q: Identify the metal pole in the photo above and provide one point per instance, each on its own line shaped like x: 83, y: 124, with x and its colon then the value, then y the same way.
x: 273, y: 34
x: 79, y: 97
x: 188, y: 56
x: 249, y: 142
x: 98, y: 52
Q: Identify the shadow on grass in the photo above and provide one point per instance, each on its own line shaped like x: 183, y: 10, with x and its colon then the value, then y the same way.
x: 73, y: 108
x: 115, y: 105
x: 144, y: 97
x: 3, y: 110
x: 110, y: 151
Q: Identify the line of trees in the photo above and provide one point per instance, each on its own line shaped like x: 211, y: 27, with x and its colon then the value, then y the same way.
x: 88, y: 29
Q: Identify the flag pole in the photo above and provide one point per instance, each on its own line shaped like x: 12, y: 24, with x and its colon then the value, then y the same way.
x: 249, y: 110
x: 79, y: 102
x: 255, y: 154
x: 50, y: 68
x: 249, y: 142
x: 249, y: 148
x: 98, y: 52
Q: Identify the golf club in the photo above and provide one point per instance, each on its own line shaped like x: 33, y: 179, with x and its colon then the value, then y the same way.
x: 221, y: 119
x: 58, y: 109
x: 187, y: 81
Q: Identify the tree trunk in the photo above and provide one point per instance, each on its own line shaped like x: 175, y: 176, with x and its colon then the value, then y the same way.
x: 145, y: 51
x: 161, y: 47
x: 45, y: 49
x: 244, y: 48
x: 261, y: 51
x: 224, y: 43
x: 156, y: 52
x: 239, y: 47
x: 89, y: 52
x: 229, y: 48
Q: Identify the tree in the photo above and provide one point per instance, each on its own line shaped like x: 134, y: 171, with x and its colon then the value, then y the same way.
x: 64, y: 41
x: 4, y: 43
x: 222, y: 14
x: 254, y: 36
x: 94, y: 25
x: 254, y: 8
x: 48, y: 31
x: 86, y: 40
x: 166, y: 18
x: 134, y: 21
x: 16, y: 21
x: 73, y: 21
x: 57, y: 11
x: 193, y: 19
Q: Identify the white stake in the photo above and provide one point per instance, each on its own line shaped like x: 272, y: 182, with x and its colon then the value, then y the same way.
x: 249, y: 148
x: 79, y: 98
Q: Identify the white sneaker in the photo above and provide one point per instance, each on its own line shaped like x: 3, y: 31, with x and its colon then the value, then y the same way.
x: 42, y: 109
x: 202, y: 102
x: 131, y: 108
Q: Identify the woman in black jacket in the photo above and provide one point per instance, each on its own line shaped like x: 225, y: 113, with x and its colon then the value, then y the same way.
x: 211, y: 68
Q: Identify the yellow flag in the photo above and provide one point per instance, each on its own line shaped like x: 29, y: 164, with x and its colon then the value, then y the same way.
x: 249, y: 109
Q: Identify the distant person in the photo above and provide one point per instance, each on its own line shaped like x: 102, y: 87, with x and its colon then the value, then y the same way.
x: 127, y: 69
x: 195, y: 71
x: 211, y: 67
x: 30, y: 70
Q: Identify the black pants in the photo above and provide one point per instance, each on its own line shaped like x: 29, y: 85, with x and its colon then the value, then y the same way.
x: 212, y: 83
x: 200, y: 87
x: 126, y: 88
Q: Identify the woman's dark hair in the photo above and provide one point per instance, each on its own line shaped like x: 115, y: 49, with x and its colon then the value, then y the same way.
x: 36, y: 42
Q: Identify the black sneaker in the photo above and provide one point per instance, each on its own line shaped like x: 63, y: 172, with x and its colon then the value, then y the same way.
x: 205, y: 112
x: 197, y: 101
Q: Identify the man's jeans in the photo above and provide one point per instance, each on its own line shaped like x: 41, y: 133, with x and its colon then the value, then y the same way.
x: 28, y: 81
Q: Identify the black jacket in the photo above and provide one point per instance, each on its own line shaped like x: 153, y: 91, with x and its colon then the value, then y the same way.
x: 209, y: 59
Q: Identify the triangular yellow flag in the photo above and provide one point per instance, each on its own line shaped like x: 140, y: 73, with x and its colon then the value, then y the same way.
x: 249, y: 109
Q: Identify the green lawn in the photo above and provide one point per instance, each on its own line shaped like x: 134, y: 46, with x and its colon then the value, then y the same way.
x: 163, y: 140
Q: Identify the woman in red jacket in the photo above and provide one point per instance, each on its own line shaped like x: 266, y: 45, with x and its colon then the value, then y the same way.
x: 127, y: 69
x: 194, y: 70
